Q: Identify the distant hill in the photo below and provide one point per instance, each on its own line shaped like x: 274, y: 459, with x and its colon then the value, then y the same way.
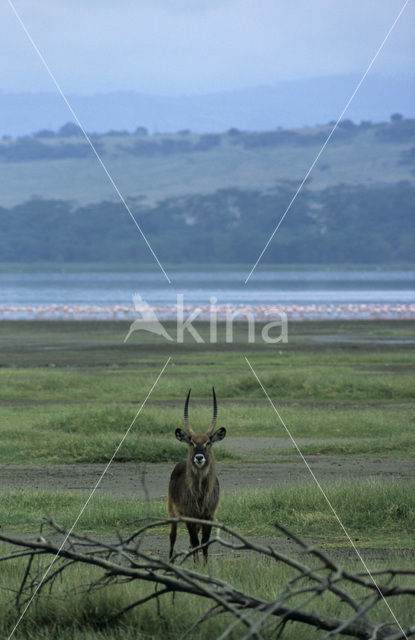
x: 211, y: 197
x: 288, y: 104
x: 60, y: 165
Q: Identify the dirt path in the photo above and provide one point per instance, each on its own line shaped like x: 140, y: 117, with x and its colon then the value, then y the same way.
x: 126, y: 480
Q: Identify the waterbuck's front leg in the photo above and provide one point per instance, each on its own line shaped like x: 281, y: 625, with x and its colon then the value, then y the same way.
x: 206, y: 529
x: 193, y: 530
x: 173, y: 535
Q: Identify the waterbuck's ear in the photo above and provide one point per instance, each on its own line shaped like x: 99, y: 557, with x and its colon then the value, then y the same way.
x: 182, y: 436
x: 218, y: 435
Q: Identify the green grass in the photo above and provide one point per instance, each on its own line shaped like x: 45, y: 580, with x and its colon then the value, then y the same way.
x: 90, y: 434
x: 72, y: 614
x: 53, y: 447
x: 244, y: 419
x: 379, y: 513
x: 397, y: 447
x: 25, y: 509
x: 78, y: 409
x: 374, y: 511
x: 286, y: 384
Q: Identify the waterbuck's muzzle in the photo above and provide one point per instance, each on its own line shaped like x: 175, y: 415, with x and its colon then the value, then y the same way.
x: 199, y: 460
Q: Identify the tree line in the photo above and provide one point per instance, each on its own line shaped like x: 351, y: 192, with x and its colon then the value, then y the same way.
x: 340, y: 224
x: 69, y: 141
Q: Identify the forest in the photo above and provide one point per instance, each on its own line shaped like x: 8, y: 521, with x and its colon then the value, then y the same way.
x: 343, y: 223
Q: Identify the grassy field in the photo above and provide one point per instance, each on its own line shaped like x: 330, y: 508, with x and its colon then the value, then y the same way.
x: 381, y: 515
x: 362, y: 160
x: 69, y: 390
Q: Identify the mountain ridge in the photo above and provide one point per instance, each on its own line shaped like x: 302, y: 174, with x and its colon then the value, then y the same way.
x: 286, y: 103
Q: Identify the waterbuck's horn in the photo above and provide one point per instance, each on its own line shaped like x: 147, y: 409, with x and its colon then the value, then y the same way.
x: 186, y: 416
x: 215, y: 414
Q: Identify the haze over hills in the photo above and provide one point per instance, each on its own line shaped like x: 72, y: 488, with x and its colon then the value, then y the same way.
x: 286, y: 104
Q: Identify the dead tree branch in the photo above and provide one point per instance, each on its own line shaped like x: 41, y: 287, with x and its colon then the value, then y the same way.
x: 314, y: 575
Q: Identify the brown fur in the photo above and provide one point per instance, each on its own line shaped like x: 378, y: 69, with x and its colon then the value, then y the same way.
x: 194, y: 491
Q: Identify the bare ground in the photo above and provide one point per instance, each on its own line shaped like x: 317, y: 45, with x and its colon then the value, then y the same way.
x: 126, y: 479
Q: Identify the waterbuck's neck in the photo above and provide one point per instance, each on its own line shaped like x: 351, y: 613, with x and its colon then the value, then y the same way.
x: 201, y: 479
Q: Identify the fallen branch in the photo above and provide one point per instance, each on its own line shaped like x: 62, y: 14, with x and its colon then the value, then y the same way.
x: 315, y: 575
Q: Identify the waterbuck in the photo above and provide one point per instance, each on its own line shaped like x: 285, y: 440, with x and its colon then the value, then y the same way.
x: 194, y: 487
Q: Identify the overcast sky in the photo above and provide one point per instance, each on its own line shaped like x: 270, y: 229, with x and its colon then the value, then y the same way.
x: 197, y: 46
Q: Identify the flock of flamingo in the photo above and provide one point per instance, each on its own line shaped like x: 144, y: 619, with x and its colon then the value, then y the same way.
x: 262, y: 312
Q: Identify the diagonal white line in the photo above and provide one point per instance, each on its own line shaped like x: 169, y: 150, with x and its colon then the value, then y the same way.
x: 87, y: 138
x: 88, y: 500
x: 327, y: 140
x: 325, y: 496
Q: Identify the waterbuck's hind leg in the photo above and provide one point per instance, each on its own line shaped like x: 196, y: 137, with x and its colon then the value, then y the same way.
x: 173, y: 535
x: 206, y: 529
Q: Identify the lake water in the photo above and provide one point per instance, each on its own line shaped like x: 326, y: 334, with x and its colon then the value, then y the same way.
x: 283, y: 288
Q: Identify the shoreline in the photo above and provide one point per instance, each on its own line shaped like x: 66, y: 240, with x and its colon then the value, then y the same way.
x: 204, y: 313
